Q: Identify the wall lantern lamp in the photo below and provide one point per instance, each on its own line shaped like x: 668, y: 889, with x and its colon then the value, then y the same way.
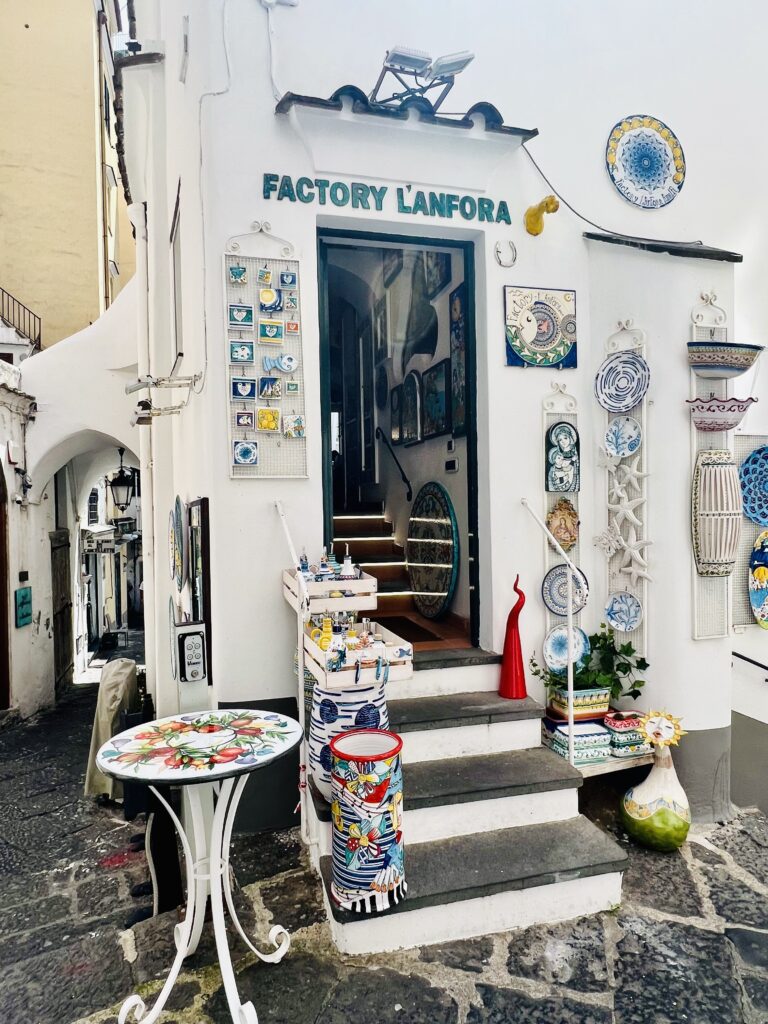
x: 122, y: 485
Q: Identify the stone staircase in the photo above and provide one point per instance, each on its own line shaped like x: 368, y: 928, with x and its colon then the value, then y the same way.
x: 493, y: 837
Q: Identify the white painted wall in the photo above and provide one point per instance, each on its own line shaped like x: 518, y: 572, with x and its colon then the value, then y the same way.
x: 572, y: 73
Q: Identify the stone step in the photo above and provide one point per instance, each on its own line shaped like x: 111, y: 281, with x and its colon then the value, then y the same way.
x: 490, y: 882
x: 361, y: 526
x: 507, y: 790
x: 464, y: 724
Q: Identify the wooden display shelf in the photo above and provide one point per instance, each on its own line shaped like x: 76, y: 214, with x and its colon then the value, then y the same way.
x: 363, y: 590
x: 316, y: 660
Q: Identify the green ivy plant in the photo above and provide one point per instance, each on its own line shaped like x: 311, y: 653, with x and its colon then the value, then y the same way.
x: 610, y: 666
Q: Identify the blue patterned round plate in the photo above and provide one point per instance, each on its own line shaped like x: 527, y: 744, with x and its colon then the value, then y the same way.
x: 554, y: 590
x: 555, y: 649
x: 753, y: 474
x: 623, y: 436
x: 622, y: 381
x: 645, y: 161
x: 623, y: 611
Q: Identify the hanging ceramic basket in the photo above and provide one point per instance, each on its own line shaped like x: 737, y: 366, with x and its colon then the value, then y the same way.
x: 718, y: 414
x: 715, y: 512
x: 720, y: 360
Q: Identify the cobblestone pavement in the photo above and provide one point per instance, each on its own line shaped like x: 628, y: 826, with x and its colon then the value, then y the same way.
x: 689, y: 944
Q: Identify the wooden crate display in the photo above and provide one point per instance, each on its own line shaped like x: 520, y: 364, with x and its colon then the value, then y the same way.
x: 363, y: 593
x: 400, y: 658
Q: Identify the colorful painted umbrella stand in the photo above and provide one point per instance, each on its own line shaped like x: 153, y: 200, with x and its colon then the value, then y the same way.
x: 367, y: 813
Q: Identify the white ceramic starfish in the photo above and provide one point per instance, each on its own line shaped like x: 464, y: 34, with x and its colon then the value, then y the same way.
x: 636, y: 574
x: 633, y: 549
x: 624, y: 511
x: 630, y: 475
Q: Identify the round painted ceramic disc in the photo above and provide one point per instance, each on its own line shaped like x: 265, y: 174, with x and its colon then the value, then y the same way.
x: 623, y: 436
x: 180, y: 544
x: 555, y: 649
x: 645, y: 161
x: 554, y: 590
x: 432, y: 550
x: 753, y: 474
x: 623, y: 612
x: 622, y: 381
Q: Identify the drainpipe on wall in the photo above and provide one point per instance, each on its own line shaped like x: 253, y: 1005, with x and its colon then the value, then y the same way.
x: 138, y: 216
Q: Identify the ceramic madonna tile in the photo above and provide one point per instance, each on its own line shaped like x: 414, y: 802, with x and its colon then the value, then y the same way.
x: 562, y: 458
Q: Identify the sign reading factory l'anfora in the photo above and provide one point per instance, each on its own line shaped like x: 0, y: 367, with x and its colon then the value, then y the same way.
x: 405, y: 199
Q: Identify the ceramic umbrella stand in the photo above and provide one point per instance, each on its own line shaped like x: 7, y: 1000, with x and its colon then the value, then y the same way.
x: 657, y: 813
x: 338, y: 710
x: 367, y: 813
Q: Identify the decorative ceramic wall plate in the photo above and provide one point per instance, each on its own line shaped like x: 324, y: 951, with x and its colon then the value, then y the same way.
x: 645, y: 161
x: 753, y: 474
x: 245, y: 453
x: 623, y: 612
x: 181, y: 550
x: 432, y: 551
x: 623, y: 436
x: 540, y: 327
x: 758, y: 580
x: 554, y: 590
x: 555, y: 649
x: 171, y: 545
x: 721, y: 360
x: 622, y: 381
x: 563, y: 524
x: 718, y: 414
x: 561, y: 459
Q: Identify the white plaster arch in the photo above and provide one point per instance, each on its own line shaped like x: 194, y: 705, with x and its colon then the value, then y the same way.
x: 79, y: 387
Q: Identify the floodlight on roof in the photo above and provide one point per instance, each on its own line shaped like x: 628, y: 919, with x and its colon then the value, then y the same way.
x: 402, y: 58
x: 448, y: 66
x: 417, y: 73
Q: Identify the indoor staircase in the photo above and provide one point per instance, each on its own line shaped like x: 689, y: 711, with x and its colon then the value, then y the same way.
x: 493, y: 837
x: 374, y: 548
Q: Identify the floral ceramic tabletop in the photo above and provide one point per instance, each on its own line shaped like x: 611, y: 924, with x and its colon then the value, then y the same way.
x: 201, y: 746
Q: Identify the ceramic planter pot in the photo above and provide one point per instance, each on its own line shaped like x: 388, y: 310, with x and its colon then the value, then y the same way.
x: 586, y: 703
x: 657, y: 813
x: 341, y: 710
x: 718, y: 414
x: 367, y: 814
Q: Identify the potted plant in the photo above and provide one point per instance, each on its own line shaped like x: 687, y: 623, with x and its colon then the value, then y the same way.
x: 609, y: 672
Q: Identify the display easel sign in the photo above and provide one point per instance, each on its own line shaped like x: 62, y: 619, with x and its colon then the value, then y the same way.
x: 23, y: 603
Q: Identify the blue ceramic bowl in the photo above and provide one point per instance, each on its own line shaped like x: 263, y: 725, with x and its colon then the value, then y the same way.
x: 719, y: 360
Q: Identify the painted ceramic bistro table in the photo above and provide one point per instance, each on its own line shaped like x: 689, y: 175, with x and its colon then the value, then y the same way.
x: 203, y: 750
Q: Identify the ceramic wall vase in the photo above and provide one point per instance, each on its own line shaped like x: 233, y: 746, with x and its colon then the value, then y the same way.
x: 336, y: 711
x: 718, y: 414
x: 657, y: 813
x: 367, y: 820
x: 715, y: 512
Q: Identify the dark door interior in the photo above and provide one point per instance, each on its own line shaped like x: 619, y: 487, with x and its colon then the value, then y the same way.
x: 63, y: 643
x: 398, y: 416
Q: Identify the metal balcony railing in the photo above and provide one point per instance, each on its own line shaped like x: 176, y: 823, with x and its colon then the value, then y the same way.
x: 16, y: 314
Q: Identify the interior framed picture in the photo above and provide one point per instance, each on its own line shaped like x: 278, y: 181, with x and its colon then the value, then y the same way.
x: 395, y: 412
x: 435, y: 400
x: 392, y: 264
x: 437, y: 271
x: 457, y: 305
x: 410, y: 419
x: 380, y: 329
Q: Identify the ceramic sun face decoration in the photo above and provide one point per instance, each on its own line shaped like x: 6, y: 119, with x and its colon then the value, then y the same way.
x: 563, y: 524
x: 657, y: 813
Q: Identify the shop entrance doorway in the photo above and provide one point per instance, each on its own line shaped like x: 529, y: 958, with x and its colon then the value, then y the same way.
x: 398, y: 368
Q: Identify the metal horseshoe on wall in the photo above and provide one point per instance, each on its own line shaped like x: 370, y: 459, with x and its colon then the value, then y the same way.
x: 499, y: 250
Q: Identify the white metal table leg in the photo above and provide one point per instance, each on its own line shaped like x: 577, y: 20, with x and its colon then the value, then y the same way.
x: 134, y: 1006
